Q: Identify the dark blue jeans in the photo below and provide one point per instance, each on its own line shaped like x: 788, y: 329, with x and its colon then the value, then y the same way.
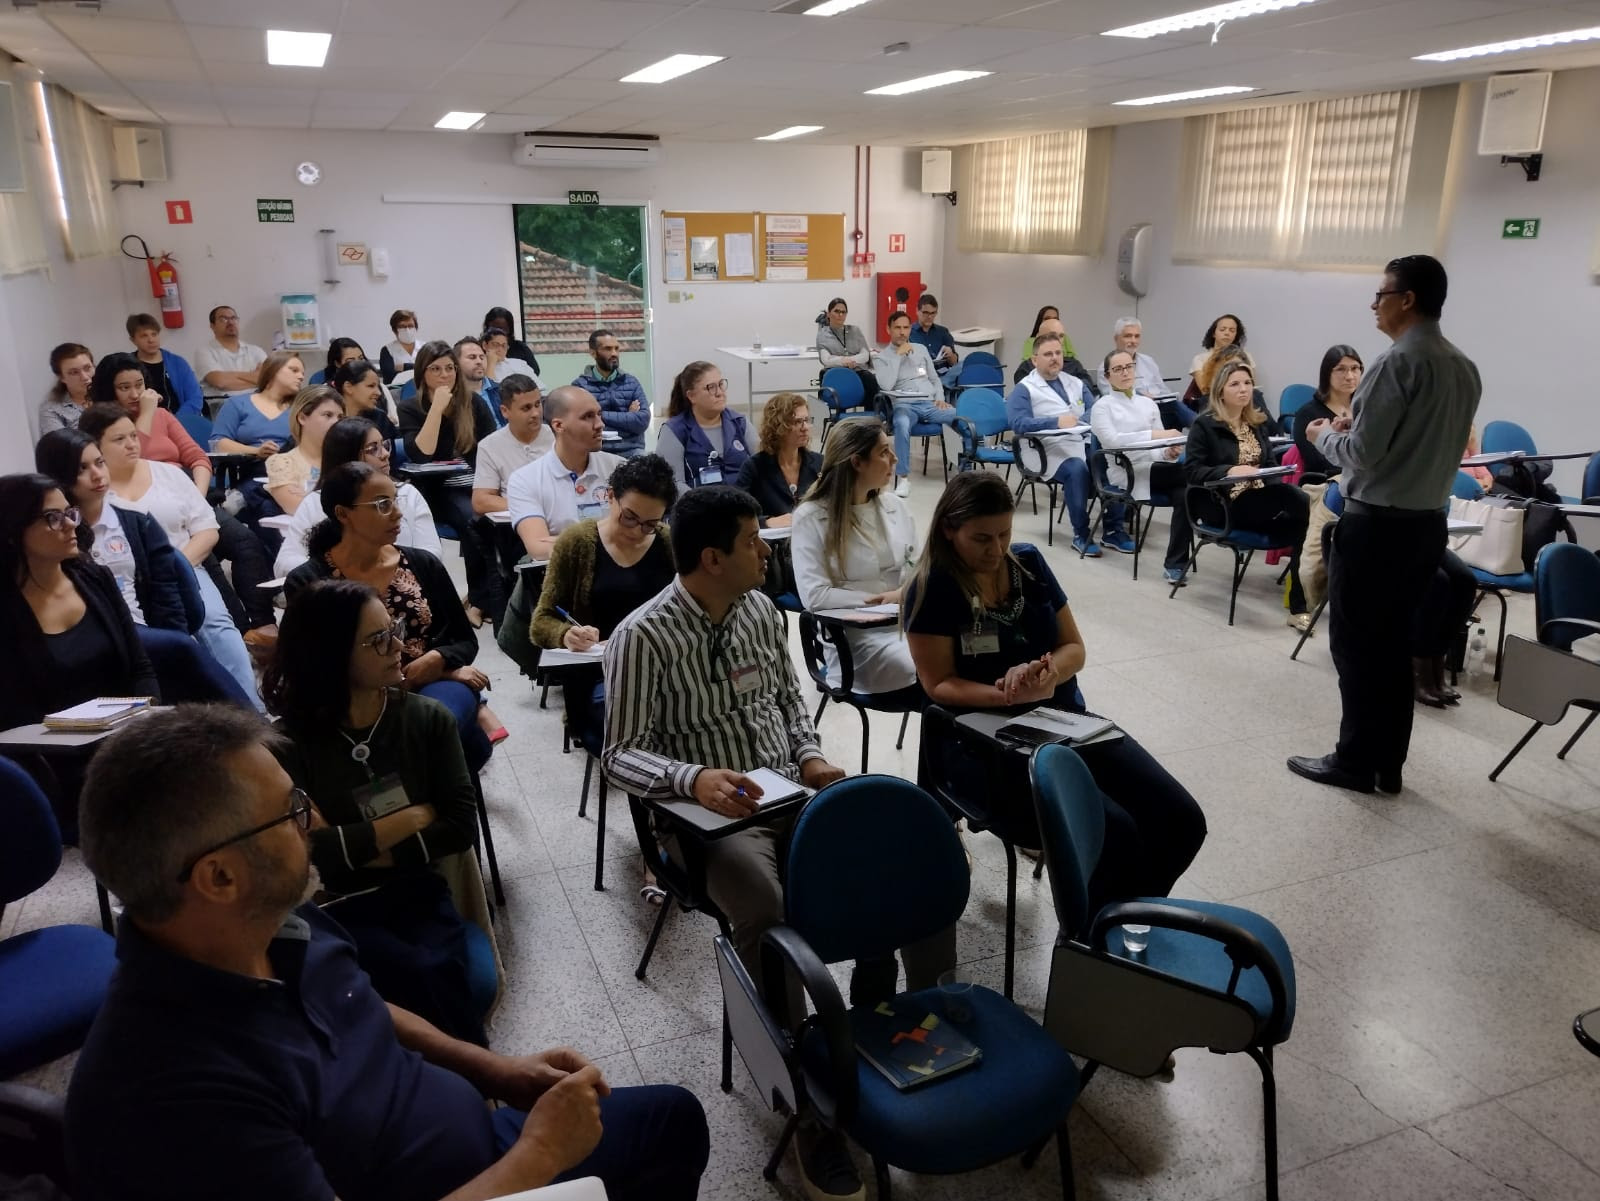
x: 654, y: 1147
x: 463, y: 705
x: 1073, y: 476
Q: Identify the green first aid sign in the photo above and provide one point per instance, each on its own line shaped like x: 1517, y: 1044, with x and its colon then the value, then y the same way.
x: 1520, y: 227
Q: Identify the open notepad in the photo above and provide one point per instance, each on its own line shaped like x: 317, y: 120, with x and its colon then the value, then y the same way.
x: 1043, y: 725
x: 865, y: 615
x: 561, y: 657
x: 102, y: 713
x: 777, y: 791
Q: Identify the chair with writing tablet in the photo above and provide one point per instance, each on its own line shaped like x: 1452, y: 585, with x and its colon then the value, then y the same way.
x: 1142, y: 510
x: 1243, y: 544
x: 1210, y: 975
x: 818, y: 632
x: 843, y: 395
x: 1028, y: 453
x: 982, y: 426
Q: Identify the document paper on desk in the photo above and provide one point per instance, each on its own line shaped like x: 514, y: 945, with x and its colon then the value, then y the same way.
x: 866, y: 613
x: 1041, y: 726
x: 561, y: 657
x: 774, y: 787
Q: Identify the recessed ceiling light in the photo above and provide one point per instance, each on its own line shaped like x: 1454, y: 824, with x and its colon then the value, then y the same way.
x: 286, y: 48
x: 793, y: 131
x: 1534, y: 43
x: 1172, y: 97
x: 671, y: 68
x: 455, y: 120
x: 923, y: 82
x: 1215, y: 15
x: 830, y: 7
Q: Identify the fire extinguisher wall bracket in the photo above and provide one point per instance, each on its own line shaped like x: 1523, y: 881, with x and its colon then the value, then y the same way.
x: 163, y: 272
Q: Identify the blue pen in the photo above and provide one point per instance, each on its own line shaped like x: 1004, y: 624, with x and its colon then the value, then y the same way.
x: 565, y: 616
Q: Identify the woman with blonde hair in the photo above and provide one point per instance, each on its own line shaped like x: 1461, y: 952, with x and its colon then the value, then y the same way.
x: 257, y: 423
x: 1232, y: 439
x: 854, y: 545
x: 785, y: 467
x: 292, y: 474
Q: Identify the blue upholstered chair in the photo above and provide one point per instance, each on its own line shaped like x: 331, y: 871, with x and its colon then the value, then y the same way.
x: 816, y: 633
x: 1591, y: 480
x: 1243, y: 544
x: 1566, y: 598
x: 1290, y: 401
x: 52, y: 980
x: 981, y: 423
x: 842, y: 395
x: 1212, y: 975
x: 853, y: 892
x: 980, y: 369
x: 1501, y: 436
x: 927, y: 430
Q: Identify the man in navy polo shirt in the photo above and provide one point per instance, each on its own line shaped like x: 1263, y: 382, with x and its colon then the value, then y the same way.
x: 936, y: 338
x: 242, y: 1052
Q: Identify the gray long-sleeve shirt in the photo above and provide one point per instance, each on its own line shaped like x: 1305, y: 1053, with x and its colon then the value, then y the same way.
x: 1410, y: 420
x: 909, y: 376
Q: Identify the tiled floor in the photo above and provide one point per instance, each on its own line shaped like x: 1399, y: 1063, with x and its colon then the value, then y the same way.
x: 1443, y: 939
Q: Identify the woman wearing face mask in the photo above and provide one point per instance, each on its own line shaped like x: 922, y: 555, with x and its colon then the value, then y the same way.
x: 362, y: 391
x: 1230, y: 439
x: 843, y: 345
x: 702, y: 439
x: 292, y: 474
x: 399, y: 355
x: 163, y: 492
x: 357, y: 440
x: 73, y: 367
x: 157, y: 584
x: 162, y: 439
x: 854, y: 543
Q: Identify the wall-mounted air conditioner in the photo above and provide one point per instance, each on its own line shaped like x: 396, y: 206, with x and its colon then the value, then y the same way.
x: 586, y: 150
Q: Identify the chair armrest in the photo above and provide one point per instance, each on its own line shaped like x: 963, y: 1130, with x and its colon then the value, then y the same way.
x: 1215, y: 486
x: 1243, y: 947
x: 1033, y: 444
x: 814, y: 632
x: 1125, y: 464
x: 782, y: 951
x: 968, y: 433
x: 1582, y: 623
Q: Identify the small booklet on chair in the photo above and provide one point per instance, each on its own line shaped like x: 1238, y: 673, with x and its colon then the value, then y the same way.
x: 909, y: 1044
x: 102, y: 713
x: 1041, y: 726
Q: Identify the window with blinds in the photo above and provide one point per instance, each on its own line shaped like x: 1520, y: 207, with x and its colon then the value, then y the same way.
x: 1040, y: 194
x: 1346, y: 183
x: 22, y: 245
x: 79, y: 142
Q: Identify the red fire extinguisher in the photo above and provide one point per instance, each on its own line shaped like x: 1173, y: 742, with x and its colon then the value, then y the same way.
x: 163, y: 281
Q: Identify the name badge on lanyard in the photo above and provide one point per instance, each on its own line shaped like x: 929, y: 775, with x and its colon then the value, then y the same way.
x: 711, y: 473
x: 745, y: 678
x: 983, y: 636
x: 381, y: 797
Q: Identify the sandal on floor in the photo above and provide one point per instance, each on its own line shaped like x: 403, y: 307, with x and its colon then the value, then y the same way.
x: 654, y: 894
x: 499, y: 735
x: 1300, y: 622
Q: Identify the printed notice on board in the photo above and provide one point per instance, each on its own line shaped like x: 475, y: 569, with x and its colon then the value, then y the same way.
x: 740, y: 251
x: 703, y: 257
x: 675, y: 238
x: 788, y: 244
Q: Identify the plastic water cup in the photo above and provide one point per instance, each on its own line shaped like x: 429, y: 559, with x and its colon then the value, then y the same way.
x: 213, y: 443
x: 1135, y: 939
x: 955, y: 990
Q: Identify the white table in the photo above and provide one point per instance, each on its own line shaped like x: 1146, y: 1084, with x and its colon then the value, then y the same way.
x: 1581, y: 510
x: 751, y: 356
x: 500, y: 516
x: 776, y: 533
x: 1151, y: 443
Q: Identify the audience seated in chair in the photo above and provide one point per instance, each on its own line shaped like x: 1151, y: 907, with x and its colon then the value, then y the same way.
x: 158, y: 585
x: 357, y: 440
x: 1230, y: 439
x: 1337, y: 380
x: 702, y: 439
x: 1223, y: 332
x: 242, y: 1043
x: 167, y: 495
x: 522, y: 439
x: 908, y: 376
x: 164, y: 372
x: 396, y: 799
x: 399, y: 355
x: 840, y: 344
x: 1125, y: 415
x: 340, y: 352
x: 357, y: 541
x: 567, y: 485
x: 1070, y: 365
x: 118, y: 380
x: 72, y: 364
x: 292, y: 474
x: 1047, y: 400
x: 500, y: 319
x: 257, y: 423
x: 364, y: 395
x: 937, y: 341
x: 226, y: 365
x: 782, y: 471
x: 854, y: 543
x: 1128, y: 335
x: 990, y: 628
x: 624, y: 407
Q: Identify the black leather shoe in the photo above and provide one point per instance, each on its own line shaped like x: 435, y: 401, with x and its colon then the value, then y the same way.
x: 1389, y: 781
x: 1328, y: 770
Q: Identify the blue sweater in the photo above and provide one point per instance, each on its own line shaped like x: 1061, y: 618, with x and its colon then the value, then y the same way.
x: 615, y: 396
x: 182, y: 378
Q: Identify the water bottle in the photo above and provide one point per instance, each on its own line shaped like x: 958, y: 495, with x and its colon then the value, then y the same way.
x: 755, y: 345
x: 1477, y: 652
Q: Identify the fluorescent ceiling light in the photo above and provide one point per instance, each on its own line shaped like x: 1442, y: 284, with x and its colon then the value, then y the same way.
x: 831, y: 8
x: 285, y: 48
x: 1215, y: 15
x: 1533, y: 43
x: 455, y: 120
x: 671, y: 68
x: 1172, y: 97
x: 924, y: 82
x: 793, y: 131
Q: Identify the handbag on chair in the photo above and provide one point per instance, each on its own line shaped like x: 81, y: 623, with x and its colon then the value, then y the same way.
x: 1498, y: 549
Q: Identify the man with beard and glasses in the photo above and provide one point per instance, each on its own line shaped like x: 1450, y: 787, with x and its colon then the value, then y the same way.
x: 242, y: 1052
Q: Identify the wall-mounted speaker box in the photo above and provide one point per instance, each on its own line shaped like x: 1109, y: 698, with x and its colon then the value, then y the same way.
x: 1514, y: 109
x: 1133, y: 259
x: 12, y: 178
x: 936, y: 171
x: 138, y: 154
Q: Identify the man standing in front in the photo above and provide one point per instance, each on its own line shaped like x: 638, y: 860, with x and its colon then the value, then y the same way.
x: 1398, y: 452
x: 226, y: 365
x: 242, y: 1052
x: 908, y: 376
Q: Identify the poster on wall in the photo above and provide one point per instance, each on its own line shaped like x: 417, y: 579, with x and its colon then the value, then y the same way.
x: 740, y: 251
x: 703, y: 257
x: 788, y: 245
x: 301, y: 326
x: 675, y: 240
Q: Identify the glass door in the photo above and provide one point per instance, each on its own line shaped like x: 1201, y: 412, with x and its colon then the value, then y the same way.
x: 581, y: 267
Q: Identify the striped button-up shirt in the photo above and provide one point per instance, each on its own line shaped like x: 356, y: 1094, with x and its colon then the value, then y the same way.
x: 684, y: 694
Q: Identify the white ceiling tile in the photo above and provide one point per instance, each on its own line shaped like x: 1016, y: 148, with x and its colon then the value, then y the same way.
x: 1091, y: 16
x: 541, y: 104
x: 264, y: 75
x: 518, y: 123
x: 725, y: 33
x: 191, y: 114
x: 133, y: 68
x: 601, y: 23
x: 520, y: 58
x: 419, y: 58
x: 269, y: 117
x: 591, y: 90
x: 423, y: 17
x: 242, y: 97
x: 958, y: 11
x: 213, y: 43
x: 350, y: 118
x: 486, y: 92
x: 158, y: 39
x: 363, y: 98
x: 852, y: 39
x: 584, y: 123
x: 160, y: 92
x: 307, y: 15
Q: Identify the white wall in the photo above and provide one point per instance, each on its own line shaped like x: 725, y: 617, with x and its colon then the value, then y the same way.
x: 453, y: 261
x: 1524, y: 310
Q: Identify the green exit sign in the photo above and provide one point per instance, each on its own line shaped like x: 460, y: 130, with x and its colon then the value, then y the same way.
x: 1520, y: 227
x: 576, y: 197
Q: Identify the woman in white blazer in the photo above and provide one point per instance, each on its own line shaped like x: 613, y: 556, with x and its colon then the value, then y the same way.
x: 854, y: 545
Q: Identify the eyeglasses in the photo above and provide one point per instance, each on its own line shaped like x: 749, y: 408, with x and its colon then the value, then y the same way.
x: 632, y: 521
x: 1377, y: 297
x: 720, y: 385
x: 59, y: 519
x: 383, y: 642
x: 840, y: 312
x: 378, y: 450
x: 1351, y: 369
x: 808, y: 419
x: 1120, y: 367
x: 299, y: 813
x: 385, y: 505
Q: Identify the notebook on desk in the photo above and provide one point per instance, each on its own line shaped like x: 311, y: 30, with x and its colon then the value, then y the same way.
x: 102, y: 713
x: 1041, y: 727
x: 865, y: 615
x: 777, y: 792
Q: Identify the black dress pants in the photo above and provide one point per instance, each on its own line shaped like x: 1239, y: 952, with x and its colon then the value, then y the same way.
x: 1281, y: 512
x: 1382, y: 563
x: 1167, y: 478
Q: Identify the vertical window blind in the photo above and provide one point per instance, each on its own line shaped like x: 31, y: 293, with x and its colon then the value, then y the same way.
x: 1040, y: 194
x: 1346, y: 183
x: 22, y: 246
x: 80, y: 141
